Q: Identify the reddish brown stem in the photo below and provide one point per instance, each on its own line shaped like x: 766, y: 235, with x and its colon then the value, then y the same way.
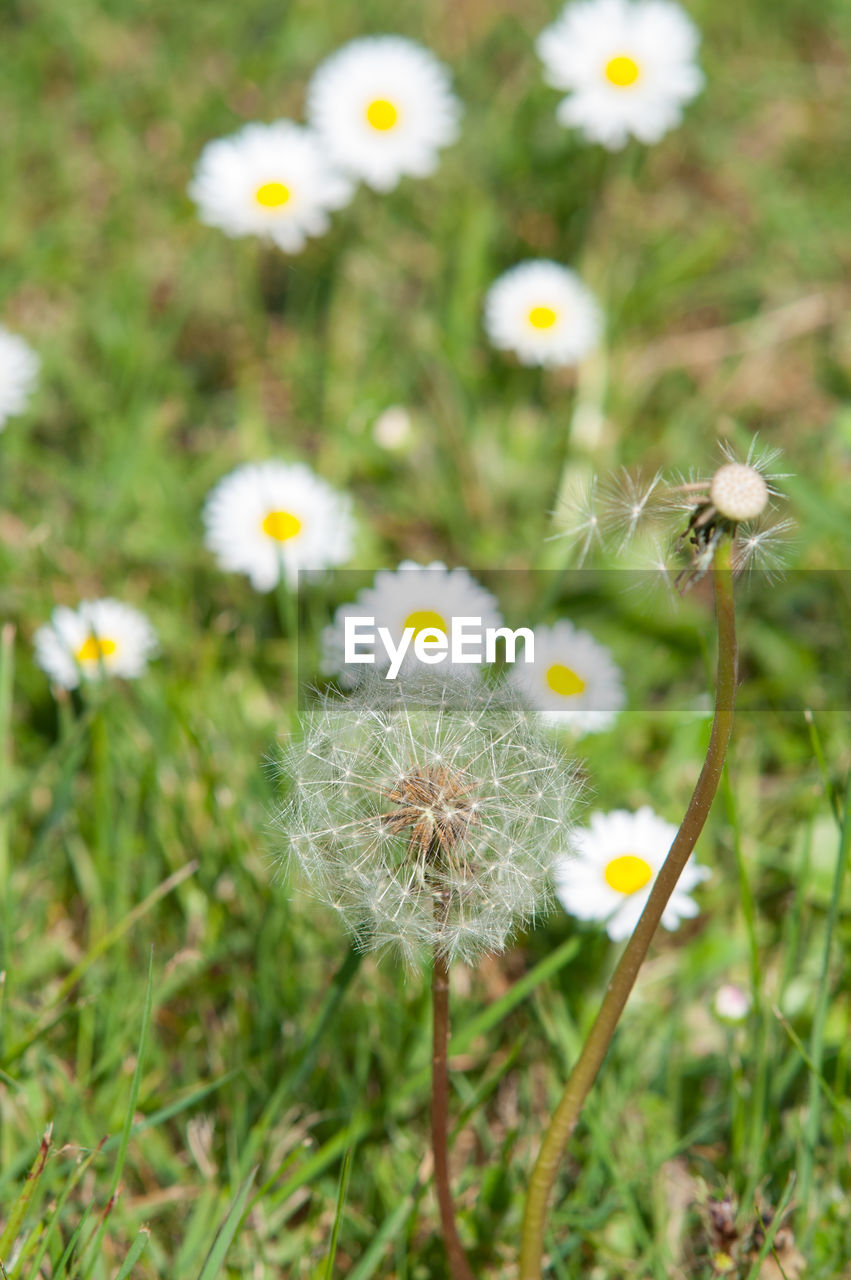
x: 458, y: 1265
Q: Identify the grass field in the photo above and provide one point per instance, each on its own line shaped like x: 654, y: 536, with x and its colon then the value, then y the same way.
x: 230, y: 1089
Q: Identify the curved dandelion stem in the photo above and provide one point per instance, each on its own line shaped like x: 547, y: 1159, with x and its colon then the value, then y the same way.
x: 459, y: 1267
x: 594, y: 1050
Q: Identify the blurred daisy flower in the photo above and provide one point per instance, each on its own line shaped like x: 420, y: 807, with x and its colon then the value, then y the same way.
x: 269, y: 517
x: 383, y: 107
x: 573, y: 682
x: 617, y: 858
x: 98, y: 638
x: 18, y: 372
x: 543, y: 313
x: 681, y: 520
x: 268, y: 180
x: 429, y: 815
x: 423, y: 597
x: 628, y: 67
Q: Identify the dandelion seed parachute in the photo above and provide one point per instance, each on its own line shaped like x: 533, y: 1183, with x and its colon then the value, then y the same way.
x: 428, y: 813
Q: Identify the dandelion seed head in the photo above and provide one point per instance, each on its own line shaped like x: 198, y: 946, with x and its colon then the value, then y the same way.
x: 457, y: 807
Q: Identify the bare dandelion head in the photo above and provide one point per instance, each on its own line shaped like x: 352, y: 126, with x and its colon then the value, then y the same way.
x: 689, y: 514
x: 429, y: 814
x: 738, y: 492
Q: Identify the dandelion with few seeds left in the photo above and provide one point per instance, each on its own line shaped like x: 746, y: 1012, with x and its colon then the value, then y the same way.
x: 429, y: 814
x: 717, y: 521
x: 681, y: 520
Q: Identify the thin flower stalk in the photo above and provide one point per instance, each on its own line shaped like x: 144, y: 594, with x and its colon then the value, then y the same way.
x: 594, y: 1050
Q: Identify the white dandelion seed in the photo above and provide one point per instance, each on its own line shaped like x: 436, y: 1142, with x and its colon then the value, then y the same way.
x: 383, y: 107
x: 98, y: 638
x: 628, y: 68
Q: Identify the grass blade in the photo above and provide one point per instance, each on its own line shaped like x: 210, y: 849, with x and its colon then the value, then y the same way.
x: 24, y: 1200
x: 341, y: 1200
x: 136, y: 1250
x: 227, y: 1230
x: 813, y: 1122
x: 522, y: 988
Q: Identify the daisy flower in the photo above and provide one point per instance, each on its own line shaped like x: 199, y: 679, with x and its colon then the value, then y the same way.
x: 98, y: 638
x: 269, y: 180
x: 414, y: 595
x: 617, y: 858
x: 543, y: 313
x: 628, y: 66
x: 18, y: 372
x: 573, y: 681
x: 383, y: 107
x: 269, y: 517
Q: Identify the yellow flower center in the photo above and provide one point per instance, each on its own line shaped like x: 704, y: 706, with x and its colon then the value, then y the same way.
x: 272, y: 195
x: 622, y: 71
x: 281, y: 525
x: 542, y: 317
x: 628, y: 873
x: 564, y: 681
x: 382, y: 115
x: 95, y: 648
x: 425, y: 620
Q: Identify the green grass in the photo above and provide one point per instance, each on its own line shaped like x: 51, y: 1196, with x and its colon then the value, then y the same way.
x: 259, y: 1107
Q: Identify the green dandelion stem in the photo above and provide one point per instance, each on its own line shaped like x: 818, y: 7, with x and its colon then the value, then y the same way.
x: 459, y: 1267
x: 594, y: 1050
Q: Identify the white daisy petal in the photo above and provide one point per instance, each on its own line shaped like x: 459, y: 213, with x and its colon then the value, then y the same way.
x: 268, y: 180
x: 628, y: 67
x: 383, y: 107
x: 414, y: 595
x: 543, y: 313
x: 573, y: 681
x: 98, y: 638
x: 615, y: 861
x: 18, y: 372
x: 269, y: 516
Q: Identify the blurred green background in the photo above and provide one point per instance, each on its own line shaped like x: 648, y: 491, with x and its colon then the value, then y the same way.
x: 172, y: 354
